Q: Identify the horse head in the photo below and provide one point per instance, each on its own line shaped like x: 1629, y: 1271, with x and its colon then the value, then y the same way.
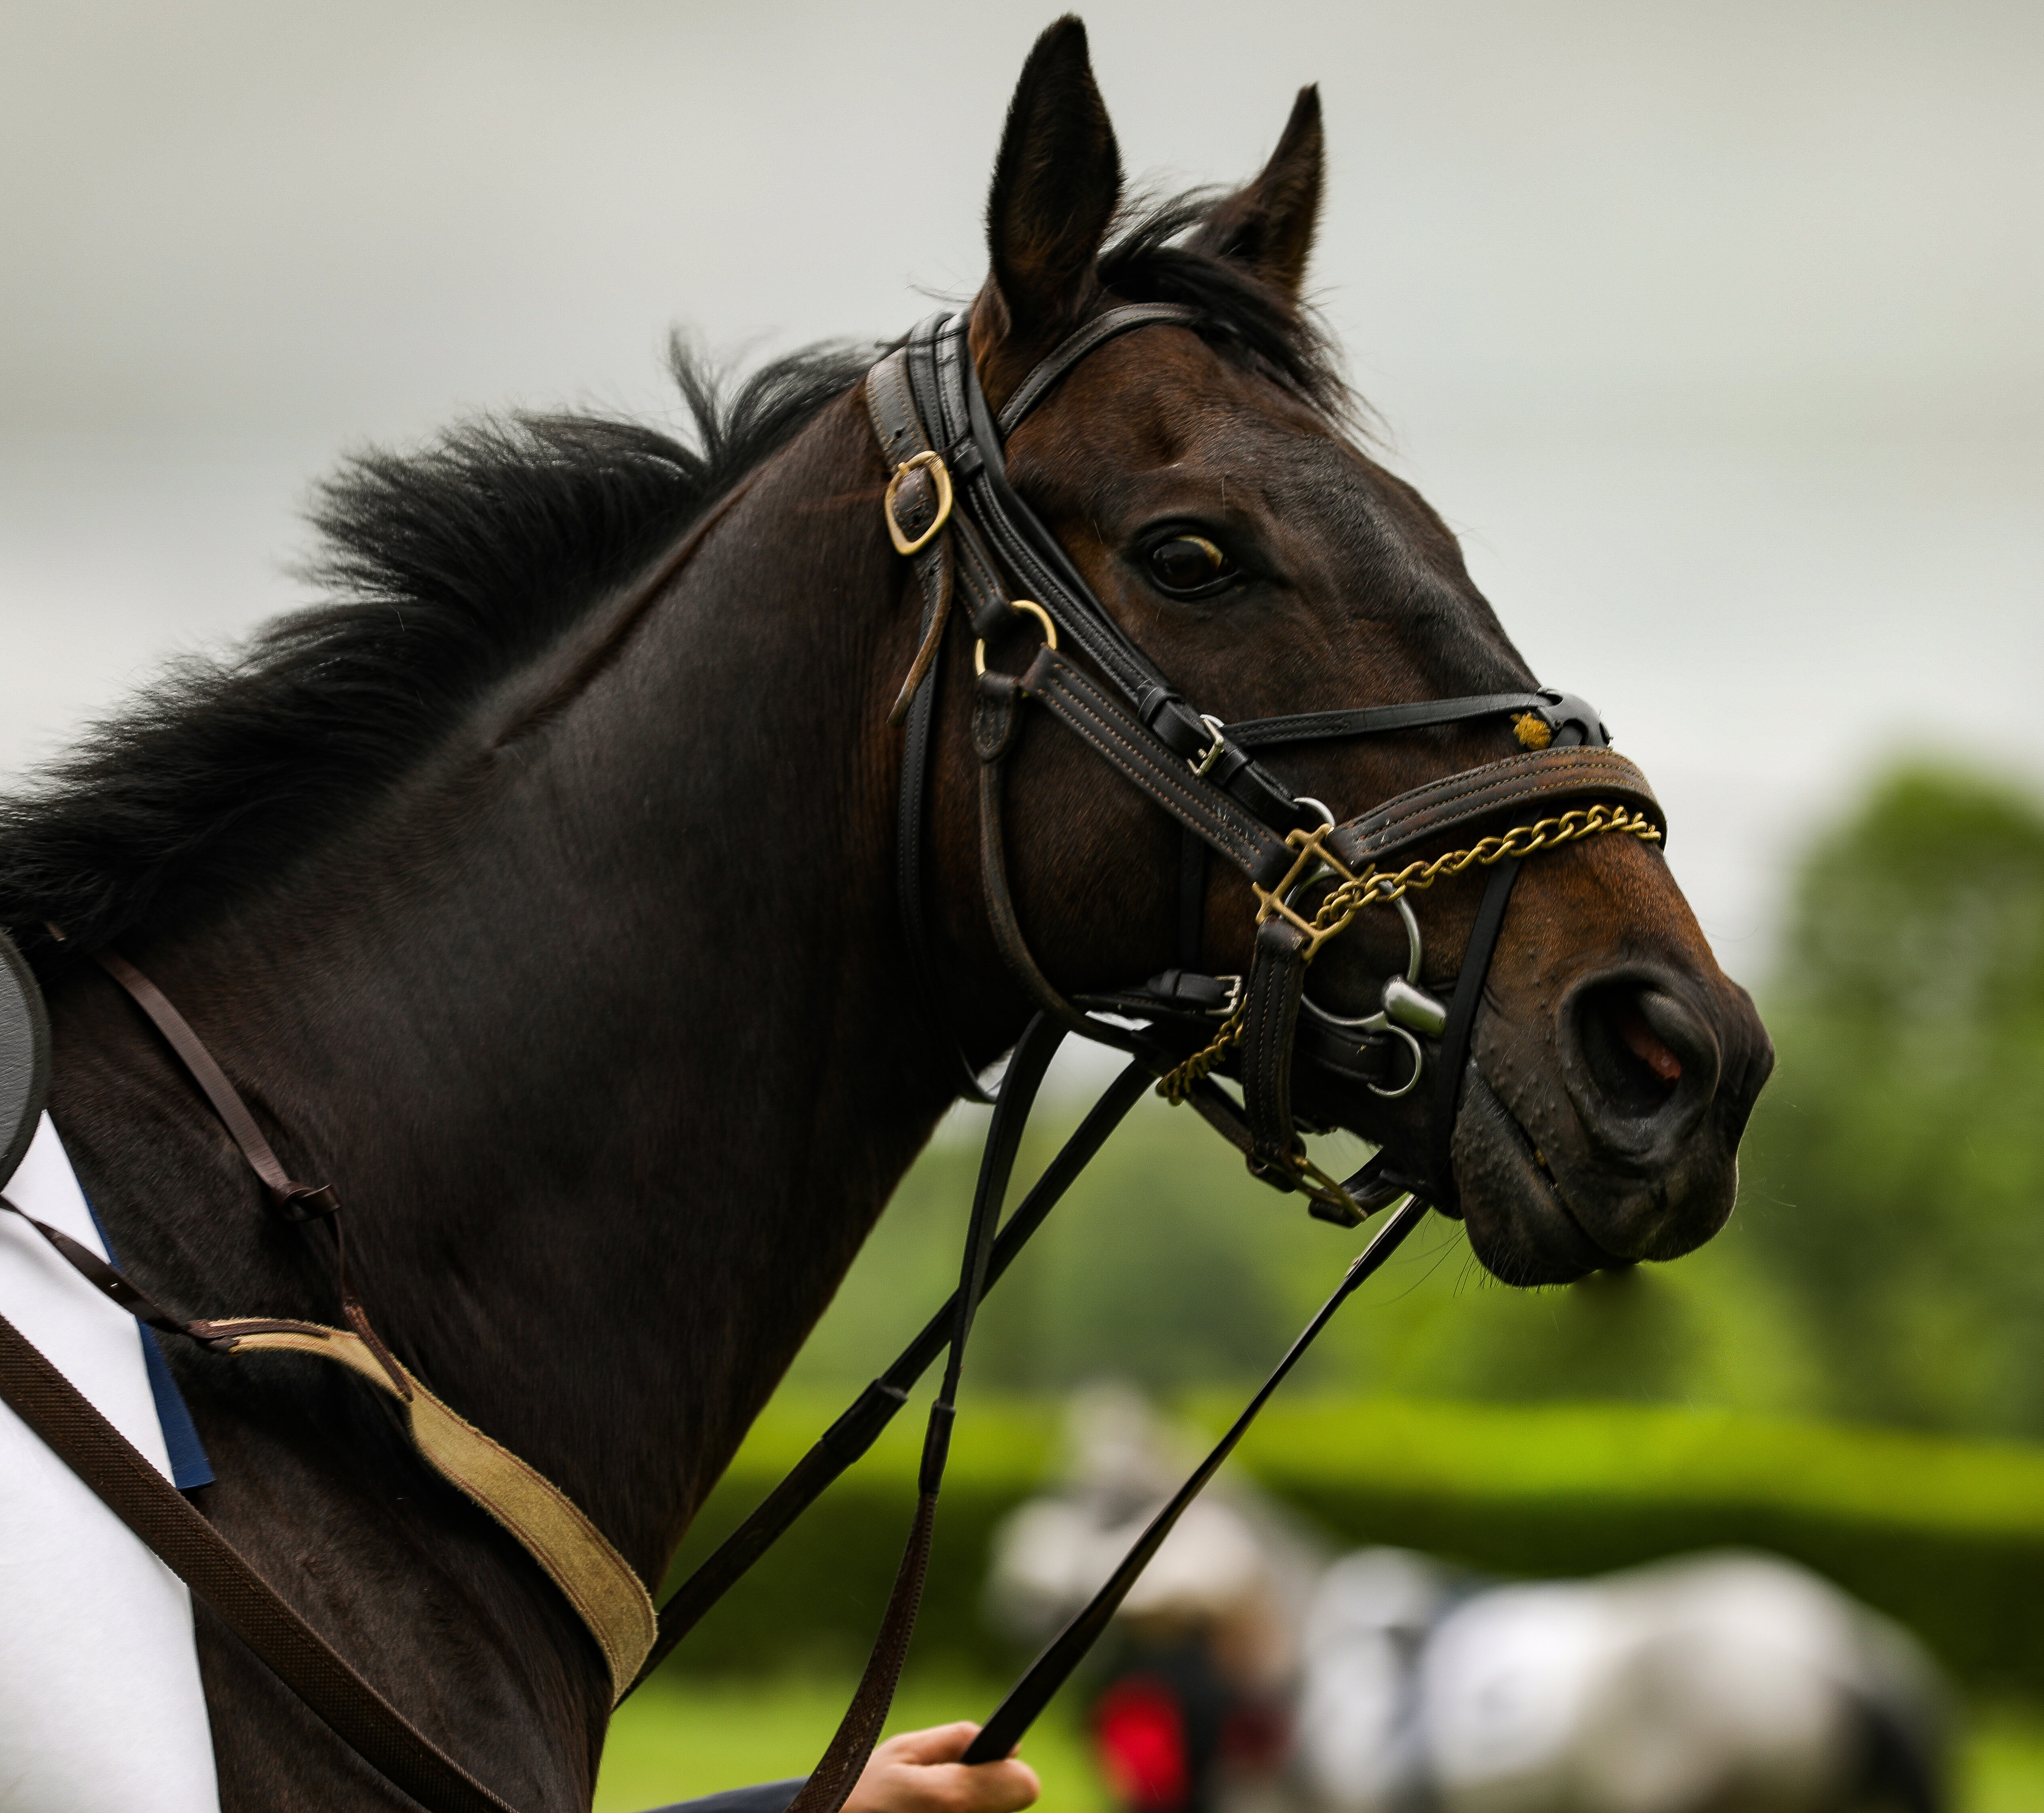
x: 1205, y: 478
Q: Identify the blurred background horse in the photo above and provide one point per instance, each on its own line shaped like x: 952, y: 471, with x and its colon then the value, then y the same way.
x: 1253, y: 1672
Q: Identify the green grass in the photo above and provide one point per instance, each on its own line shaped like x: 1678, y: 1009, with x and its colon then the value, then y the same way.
x: 2003, y: 1763
x: 682, y: 1737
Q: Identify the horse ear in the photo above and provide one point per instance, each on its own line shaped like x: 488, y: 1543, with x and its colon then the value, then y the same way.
x: 1270, y: 224
x: 1056, y: 185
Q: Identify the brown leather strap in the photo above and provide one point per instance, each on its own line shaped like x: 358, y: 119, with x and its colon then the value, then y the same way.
x: 1116, y: 734
x: 915, y: 500
x: 298, y: 1202
x: 996, y: 720
x: 1087, y: 340
x: 598, y: 1582
x: 247, y: 1603
x: 837, y: 1772
x: 111, y: 1283
x: 1270, y: 1020
x: 302, y: 1201
x: 1544, y: 779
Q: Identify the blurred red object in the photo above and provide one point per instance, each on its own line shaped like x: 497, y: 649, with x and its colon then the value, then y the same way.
x: 1140, y: 1731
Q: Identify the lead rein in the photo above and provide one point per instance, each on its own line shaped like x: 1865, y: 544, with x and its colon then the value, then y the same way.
x: 836, y: 1774
x: 1050, y: 1670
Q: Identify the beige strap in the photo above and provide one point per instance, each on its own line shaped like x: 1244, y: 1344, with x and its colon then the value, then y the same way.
x: 599, y: 1582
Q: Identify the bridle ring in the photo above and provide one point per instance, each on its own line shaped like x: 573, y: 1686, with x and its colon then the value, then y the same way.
x: 1035, y: 610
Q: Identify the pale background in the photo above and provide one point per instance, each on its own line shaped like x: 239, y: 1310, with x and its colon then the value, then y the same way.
x: 1714, y: 330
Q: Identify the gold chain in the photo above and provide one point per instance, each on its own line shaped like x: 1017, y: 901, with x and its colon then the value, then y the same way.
x: 1376, y: 887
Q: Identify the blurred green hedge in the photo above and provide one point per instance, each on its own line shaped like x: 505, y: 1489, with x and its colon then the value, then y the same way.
x: 1947, y: 1536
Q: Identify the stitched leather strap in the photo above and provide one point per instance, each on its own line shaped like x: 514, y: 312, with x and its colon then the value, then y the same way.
x: 1271, y: 1019
x: 1542, y: 780
x: 247, y: 1603
x: 835, y: 1775
x: 1319, y: 727
x: 1143, y: 758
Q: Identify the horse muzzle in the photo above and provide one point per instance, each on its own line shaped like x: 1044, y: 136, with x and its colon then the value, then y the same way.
x: 1607, y: 1132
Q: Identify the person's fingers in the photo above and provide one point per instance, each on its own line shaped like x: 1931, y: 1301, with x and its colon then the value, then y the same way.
x: 1003, y: 1787
x: 914, y: 1773
x: 939, y: 1744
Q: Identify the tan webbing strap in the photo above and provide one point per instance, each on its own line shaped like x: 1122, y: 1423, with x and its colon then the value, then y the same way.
x: 597, y: 1581
x: 247, y: 1603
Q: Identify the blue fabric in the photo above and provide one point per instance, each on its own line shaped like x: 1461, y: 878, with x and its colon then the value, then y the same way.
x: 188, y: 1464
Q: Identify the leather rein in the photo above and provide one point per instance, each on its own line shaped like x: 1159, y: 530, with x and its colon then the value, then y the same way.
x: 952, y: 514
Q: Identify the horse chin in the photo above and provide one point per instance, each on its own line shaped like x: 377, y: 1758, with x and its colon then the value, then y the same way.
x: 1520, y: 1225
x: 1535, y: 1220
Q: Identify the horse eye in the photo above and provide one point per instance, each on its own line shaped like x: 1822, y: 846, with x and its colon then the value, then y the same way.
x: 1187, y: 563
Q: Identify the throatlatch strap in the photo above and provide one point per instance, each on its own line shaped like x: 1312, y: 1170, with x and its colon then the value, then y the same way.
x: 855, y: 1432
x: 247, y: 1603
x: 834, y: 1777
x: 1051, y: 1671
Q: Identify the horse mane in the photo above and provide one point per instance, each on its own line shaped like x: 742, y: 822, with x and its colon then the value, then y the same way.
x: 443, y: 570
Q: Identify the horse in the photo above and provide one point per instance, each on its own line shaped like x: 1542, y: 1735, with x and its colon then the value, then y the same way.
x: 1698, y: 1685
x: 537, y: 890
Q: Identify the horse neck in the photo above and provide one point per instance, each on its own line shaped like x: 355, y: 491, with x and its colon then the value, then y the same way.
x: 595, y: 1024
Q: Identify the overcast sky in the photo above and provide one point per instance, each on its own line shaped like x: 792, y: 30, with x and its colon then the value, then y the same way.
x: 1715, y: 330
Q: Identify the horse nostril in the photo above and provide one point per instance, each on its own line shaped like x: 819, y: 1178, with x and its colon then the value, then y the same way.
x: 1643, y: 1042
x: 1634, y: 1063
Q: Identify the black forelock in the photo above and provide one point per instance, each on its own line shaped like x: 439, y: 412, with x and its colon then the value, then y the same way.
x: 1153, y: 258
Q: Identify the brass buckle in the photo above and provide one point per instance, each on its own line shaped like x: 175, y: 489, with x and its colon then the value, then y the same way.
x: 1271, y: 901
x: 1035, y: 610
x: 1200, y: 763
x: 934, y: 463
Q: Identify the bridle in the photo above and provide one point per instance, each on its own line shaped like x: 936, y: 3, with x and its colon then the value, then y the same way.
x: 951, y: 513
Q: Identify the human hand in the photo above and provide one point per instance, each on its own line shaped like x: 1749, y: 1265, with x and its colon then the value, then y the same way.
x: 919, y: 1772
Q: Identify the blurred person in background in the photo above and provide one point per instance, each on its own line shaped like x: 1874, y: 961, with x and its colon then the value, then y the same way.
x: 1190, y: 1696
